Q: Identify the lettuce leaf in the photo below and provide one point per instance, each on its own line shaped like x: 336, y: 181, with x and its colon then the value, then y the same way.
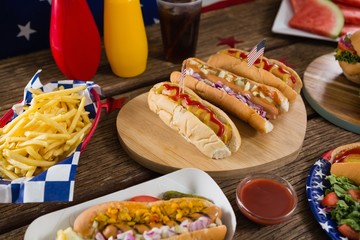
x: 347, y: 210
x: 346, y: 56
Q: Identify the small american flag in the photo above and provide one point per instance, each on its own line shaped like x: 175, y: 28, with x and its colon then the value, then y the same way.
x: 185, y: 71
x: 256, y: 52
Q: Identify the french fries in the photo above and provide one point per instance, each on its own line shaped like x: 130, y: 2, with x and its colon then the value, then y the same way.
x: 46, y: 132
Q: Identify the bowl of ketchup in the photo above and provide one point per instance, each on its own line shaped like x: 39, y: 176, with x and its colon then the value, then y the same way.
x: 266, y: 199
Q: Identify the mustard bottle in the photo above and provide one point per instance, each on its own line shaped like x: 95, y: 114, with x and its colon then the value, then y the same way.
x: 125, y: 37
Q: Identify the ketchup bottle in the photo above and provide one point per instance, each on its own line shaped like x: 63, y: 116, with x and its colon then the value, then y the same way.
x: 125, y: 37
x: 74, y: 39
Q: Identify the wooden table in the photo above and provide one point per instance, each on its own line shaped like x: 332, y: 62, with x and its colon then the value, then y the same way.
x: 105, y: 167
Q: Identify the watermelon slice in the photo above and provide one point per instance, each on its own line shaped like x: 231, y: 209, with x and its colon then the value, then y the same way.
x: 351, y: 14
x: 321, y: 17
x: 349, y: 28
x: 353, y: 3
x: 297, y: 5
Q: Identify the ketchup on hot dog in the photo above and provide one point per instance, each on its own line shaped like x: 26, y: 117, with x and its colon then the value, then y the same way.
x: 342, y: 155
x: 205, y: 115
x: 265, y: 64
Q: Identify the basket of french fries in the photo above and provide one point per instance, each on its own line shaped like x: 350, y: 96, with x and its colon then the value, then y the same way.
x: 41, y: 139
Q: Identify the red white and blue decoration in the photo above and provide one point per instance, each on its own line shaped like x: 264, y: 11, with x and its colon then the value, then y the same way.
x: 25, y: 24
x: 315, y: 188
x: 56, y: 183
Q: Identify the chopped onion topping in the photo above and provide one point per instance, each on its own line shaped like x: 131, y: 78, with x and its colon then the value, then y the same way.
x: 165, y: 231
x: 346, y: 41
x: 243, y: 98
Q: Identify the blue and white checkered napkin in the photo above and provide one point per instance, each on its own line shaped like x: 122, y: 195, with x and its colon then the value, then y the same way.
x: 56, y: 183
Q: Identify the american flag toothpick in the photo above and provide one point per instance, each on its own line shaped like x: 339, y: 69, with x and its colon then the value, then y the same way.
x: 256, y: 52
x: 185, y: 71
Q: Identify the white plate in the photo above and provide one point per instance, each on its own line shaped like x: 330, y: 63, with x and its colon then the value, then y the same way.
x: 281, y: 23
x: 188, y: 180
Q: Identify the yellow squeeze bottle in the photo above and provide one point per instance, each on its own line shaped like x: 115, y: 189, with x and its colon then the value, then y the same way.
x: 125, y: 37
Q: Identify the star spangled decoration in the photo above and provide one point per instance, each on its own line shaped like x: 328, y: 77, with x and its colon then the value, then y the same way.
x: 326, y: 226
x: 285, y: 61
x: 15, y: 41
x: 230, y: 41
x: 318, y: 197
x: 320, y: 173
x: 256, y: 52
x: 316, y: 184
x: 322, y: 211
x: 27, y: 28
x: 25, y: 31
x: 319, y: 185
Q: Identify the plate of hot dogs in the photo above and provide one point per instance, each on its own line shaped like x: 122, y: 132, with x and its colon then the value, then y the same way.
x: 221, y: 116
x: 174, y: 206
x: 333, y: 191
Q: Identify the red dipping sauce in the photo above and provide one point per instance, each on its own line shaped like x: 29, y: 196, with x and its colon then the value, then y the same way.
x: 266, y: 199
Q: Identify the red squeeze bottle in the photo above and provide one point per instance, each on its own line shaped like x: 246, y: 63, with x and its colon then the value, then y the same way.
x: 74, y: 39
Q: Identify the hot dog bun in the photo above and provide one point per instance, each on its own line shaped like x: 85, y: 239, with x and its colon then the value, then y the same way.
x: 240, y: 67
x: 188, y: 124
x: 213, y: 233
x: 351, y: 170
x: 143, y: 217
x: 227, y: 102
x: 277, y: 68
x: 351, y: 71
x: 345, y: 161
x: 347, y: 54
x: 268, y: 98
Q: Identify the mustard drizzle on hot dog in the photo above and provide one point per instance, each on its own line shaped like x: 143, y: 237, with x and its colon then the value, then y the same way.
x: 275, y: 69
x: 141, y: 219
x: 206, y: 115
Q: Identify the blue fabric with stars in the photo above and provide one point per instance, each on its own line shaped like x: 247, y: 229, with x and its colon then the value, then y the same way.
x: 25, y: 24
x: 316, y: 185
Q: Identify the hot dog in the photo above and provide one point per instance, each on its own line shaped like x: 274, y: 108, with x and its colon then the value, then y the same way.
x: 345, y: 161
x: 198, y: 121
x: 175, y: 219
x: 267, y: 71
x: 254, y: 115
x: 259, y: 96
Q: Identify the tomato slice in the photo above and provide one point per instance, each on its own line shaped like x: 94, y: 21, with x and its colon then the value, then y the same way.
x: 348, y: 232
x: 355, y: 194
x: 342, y: 46
x: 144, y: 198
x: 330, y: 200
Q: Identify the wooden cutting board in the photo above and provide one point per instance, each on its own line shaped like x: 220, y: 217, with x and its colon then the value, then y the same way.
x: 156, y: 146
x: 331, y: 95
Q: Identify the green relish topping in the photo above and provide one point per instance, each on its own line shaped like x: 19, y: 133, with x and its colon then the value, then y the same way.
x: 346, y: 56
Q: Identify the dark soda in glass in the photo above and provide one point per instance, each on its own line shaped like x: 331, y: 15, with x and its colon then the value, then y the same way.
x: 179, y: 22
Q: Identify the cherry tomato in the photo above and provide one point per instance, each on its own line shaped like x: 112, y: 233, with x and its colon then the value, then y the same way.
x: 330, y: 200
x: 343, y: 46
x: 348, y: 232
x: 144, y: 198
x: 355, y: 194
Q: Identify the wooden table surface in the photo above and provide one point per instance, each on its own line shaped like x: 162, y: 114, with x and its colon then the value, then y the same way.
x: 105, y: 167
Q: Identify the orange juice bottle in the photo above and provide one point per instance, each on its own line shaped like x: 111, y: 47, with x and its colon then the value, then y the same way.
x: 125, y: 37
